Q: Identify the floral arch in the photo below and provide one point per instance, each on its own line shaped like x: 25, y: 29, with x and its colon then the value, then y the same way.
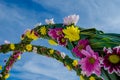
x: 98, y: 53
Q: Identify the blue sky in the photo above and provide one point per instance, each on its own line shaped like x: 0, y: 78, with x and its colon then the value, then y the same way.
x: 18, y: 15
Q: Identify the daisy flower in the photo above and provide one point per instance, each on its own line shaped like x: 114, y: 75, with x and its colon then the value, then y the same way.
x: 55, y: 33
x: 72, y: 33
x: 81, y: 45
x: 111, y: 61
x: 90, y: 64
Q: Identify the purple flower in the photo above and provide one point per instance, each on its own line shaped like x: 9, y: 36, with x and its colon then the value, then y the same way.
x: 72, y: 19
x: 90, y: 63
x: 111, y: 61
x: 55, y: 33
x: 81, y: 45
x: 62, y: 41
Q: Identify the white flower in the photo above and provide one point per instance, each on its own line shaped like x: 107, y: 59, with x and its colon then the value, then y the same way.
x: 63, y: 55
x: 49, y: 21
x: 34, y: 49
x: 38, y: 24
x: 0, y: 75
x: 72, y: 19
x: 83, y: 73
x: 7, y: 42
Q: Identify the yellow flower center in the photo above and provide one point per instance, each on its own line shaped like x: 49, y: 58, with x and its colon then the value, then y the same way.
x: 63, y: 40
x: 80, y: 47
x: 59, y: 32
x: 114, y: 59
x: 91, y: 60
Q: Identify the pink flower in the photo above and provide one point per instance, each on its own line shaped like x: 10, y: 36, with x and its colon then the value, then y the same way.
x: 111, y: 61
x: 90, y: 64
x: 55, y: 33
x: 8, y: 68
x: 72, y: 19
x: 49, y: 21
x: 81, y: 45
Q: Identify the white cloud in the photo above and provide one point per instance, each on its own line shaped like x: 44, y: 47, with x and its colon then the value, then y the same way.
x: 49, y: 67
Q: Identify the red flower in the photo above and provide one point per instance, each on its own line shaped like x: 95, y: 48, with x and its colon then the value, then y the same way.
x: 111, y: 61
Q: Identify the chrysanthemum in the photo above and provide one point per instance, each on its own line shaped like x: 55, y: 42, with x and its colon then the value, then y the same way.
x: 43, y: 30
x: 55, y: 33
x: 31, y: 34
x: 111, y: 60
x: 90, y: 64
x: 81, y: 45
x: 72, y: 33
x: 62, y: 41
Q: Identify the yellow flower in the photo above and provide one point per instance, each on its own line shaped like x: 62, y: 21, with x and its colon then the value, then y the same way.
x: 22, y: 38
x: 75, y: 63
x: 19, y: 57
x: 29, y: 47
x: 43, y: 30
x: 52, y: 42
x: 0, y: 67
x: 91, y: 78
x: 28, y: 33
x: 7, y: 76
x: 51, y: 51
x: 81, y: 77
x: 31, y: 35
x: 12, y: 46
x: 68, y: 67
x: 72, y: 33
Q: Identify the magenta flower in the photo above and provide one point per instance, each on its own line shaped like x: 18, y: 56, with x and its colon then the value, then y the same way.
x: 8, y: 68
x: 81, y: 45
x: 62, y: 41
x: 111, y: 61
x: 90, y: 64
x: 55, y: 33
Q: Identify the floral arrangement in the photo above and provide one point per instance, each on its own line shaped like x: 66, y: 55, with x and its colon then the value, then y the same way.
x: 97, y: 53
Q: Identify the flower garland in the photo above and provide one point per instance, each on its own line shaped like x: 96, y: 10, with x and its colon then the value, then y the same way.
x: 98, y: 52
